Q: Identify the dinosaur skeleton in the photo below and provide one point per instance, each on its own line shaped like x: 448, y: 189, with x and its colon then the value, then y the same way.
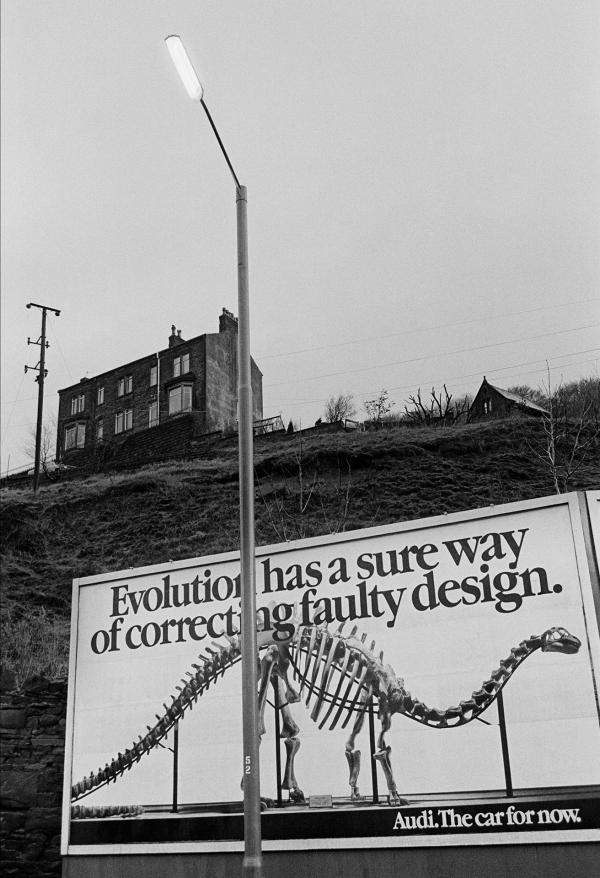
x: 343, y: 676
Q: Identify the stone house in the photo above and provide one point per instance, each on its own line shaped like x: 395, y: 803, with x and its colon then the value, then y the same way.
x: 494, y: 402
x: 195, y: 378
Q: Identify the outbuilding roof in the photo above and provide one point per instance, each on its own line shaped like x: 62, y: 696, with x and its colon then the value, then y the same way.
x: 520, y: 400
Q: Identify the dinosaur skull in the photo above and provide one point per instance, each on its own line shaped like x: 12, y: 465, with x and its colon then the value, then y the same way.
x: 559, y: 640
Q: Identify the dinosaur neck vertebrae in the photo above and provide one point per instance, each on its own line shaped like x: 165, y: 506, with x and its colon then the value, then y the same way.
x: 340, y: 672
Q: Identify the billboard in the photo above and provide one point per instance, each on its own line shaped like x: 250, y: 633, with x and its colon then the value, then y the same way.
x: 428, y: 682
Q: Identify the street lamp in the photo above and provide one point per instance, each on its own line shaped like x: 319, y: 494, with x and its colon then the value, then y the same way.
x: 252, y: 863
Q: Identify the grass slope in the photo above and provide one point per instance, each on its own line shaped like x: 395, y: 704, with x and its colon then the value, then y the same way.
x: 304, y: 487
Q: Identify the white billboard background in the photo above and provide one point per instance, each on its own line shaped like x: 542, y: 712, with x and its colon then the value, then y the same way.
x: 443, y: 654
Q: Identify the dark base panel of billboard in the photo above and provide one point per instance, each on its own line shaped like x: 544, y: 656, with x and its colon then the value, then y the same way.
x: 522, y: 815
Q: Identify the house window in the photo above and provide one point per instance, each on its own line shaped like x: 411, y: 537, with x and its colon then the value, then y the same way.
x: 153, y: 414
x: 124, y: 421
x: 125, y: 385
x: 487, y: 406
x: 100, y: 430
x: 77, y: 403
x: 153, y: 376
x: 74, y: 436
x: 181, y: 365
x: 100, y: 398
x: 180, y: 399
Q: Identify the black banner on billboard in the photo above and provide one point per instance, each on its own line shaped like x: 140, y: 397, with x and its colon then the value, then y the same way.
x: 480, y: 818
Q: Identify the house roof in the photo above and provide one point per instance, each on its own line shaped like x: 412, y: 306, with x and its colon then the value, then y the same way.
x: 520, y: 400
x: 151, y: 357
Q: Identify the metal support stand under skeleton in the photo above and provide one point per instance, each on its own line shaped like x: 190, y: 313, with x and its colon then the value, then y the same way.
x: 344, y: 676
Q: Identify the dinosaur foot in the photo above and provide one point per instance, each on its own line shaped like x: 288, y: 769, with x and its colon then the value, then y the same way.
x: 396, y: 799
x: 297, y: 797
x: 355, y: 795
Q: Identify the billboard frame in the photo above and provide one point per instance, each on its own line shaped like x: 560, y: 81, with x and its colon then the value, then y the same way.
x: 584, y: 551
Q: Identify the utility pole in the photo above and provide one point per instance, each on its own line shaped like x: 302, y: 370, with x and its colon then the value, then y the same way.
x: 40, y: 368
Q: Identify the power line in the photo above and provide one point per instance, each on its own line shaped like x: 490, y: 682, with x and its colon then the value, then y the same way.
x: 423, y: 329
x: 15, y: 401
x: 22, y: 399
x: 58, y: 345
x: 437, y: 354
x: 24, y: 467
x: 454, y: 378
x: 486, y: 371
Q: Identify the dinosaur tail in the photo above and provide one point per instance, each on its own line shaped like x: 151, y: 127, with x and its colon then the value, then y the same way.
x: 193, y: 685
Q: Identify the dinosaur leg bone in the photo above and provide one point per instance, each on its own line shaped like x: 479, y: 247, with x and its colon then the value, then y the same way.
x: 267, y: 668
x: 353, y: 755
x: 289, y: 782
x: 291, y: 693
x: 289, y: 732
x: 383, y: 755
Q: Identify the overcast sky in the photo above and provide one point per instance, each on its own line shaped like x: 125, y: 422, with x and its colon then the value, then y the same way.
x: 423, y: 184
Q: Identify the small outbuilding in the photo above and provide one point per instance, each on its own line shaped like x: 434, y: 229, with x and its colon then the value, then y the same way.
x: 494, y: 402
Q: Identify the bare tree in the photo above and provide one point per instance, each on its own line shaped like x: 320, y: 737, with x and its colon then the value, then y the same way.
x: 378, y: 408
x: 571, y: 432
x: 529, y: 394
x: 438, y: 409
x: 302, y: 501
x: 578, y: 396
x: 47, y: 444
x: 338, y: 408
x: 462, y: 406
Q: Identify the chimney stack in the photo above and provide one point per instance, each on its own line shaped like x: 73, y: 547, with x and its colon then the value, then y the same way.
x: 175, y: 337
x: 227, y: 321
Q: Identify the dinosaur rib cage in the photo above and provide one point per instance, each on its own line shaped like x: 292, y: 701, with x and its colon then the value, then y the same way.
x: 335, y: 674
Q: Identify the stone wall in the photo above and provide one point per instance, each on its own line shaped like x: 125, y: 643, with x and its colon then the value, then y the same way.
x: 32, y: 738
x: 136, y: 396
x: 167, y: 441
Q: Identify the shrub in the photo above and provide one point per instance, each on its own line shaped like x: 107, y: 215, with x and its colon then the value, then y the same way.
x: 35, y: 643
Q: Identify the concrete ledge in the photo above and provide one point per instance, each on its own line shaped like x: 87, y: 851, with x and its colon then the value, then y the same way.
x: 533, y: 861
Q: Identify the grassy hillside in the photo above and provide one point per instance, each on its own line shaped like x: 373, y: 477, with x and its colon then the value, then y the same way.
x: 316, y: 485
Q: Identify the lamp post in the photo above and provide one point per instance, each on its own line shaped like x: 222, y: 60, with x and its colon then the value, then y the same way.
x: 252, y: 863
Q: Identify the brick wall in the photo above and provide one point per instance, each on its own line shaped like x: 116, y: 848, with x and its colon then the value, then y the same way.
x: 32, y: 733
